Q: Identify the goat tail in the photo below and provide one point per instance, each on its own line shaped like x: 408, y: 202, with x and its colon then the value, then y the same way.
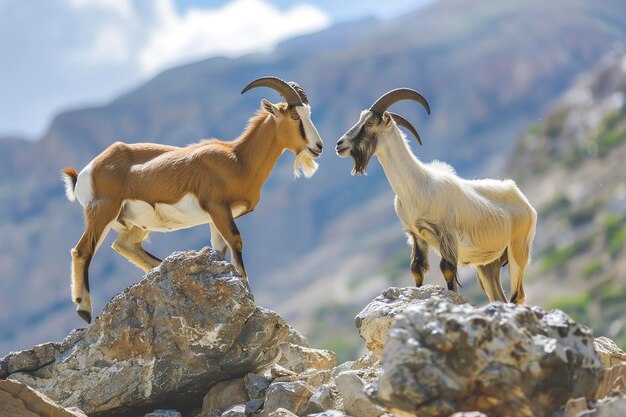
x: 69, y: 177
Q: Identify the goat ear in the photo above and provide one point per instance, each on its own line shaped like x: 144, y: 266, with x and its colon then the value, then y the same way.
x: 387, y: 119
x: 269, y: 107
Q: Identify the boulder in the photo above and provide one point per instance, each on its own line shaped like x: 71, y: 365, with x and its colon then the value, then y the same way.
x: 293, y: 396
x: 300, y: 359
x: 163, y: 413
x: 19, y: 400
x: 256, y: 385
x: 375, y: 320
x: 613, y: 383
x: 282, y: 412
x: 187, y: 325
x: 609, y: 352
x: 225, y: 394
x: 351, y: 389
x: 610, y: 407
x: 235, y: 411
x: 443, y: 357
x: 329, y: 413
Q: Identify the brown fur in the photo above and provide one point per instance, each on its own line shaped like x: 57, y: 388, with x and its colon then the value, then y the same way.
x: 221, y: 175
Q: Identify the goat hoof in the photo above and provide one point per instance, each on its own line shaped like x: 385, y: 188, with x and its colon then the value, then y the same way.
x: 85, y: 315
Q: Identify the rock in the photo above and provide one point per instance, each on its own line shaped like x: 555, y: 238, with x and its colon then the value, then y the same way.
x: 188, y: 324
x: 253, y: 406
x: 613, y: 383
x: 296, y: 338
x: 575, y: 406
x: 281, y: 412
x: 468, y: 414
x: 330, y: 413
x: 164, y: 413
x: 352, y: 390
x: 225, y: 394
x: 256, y: 385
x: 235, y: 411
x: 322, y: 399
x: 611, y: 407
x: 609, y: 352
x: 300, y: 359
x: 374, y: 321
x: 293, y: 396
x: 19, y: 400
x: 442, y: 358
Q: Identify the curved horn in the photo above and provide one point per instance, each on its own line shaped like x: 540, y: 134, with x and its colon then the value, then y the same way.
x: 288, y: 92
x: 406, y: 124
x: 393, y: 96
x: 300, y: 91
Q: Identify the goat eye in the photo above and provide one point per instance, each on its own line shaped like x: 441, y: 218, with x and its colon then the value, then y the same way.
x: 369, y: 123
x: 295, y: 117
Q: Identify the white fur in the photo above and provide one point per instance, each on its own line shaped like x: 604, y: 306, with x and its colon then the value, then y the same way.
x: 165, y: 217
x: 84, y: 186
x: 305, y: 162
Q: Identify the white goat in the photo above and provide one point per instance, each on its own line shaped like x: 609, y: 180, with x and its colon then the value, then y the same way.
x: 140, y: 188
x: 485, y: 223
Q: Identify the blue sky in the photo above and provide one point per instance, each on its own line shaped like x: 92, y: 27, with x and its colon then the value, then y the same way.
x: 63, y: 54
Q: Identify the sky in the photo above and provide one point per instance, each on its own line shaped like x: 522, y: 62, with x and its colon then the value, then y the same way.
x: 62, y: 54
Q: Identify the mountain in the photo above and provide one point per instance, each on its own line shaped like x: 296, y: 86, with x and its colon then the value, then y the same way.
x: 488, y: 69
x: 572, y: 165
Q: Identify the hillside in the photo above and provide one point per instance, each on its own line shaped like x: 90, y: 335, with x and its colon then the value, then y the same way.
x: 574, y: 165
x: 487, y: 69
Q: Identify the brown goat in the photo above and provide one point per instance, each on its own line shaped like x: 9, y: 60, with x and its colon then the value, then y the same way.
x: 140, y: 188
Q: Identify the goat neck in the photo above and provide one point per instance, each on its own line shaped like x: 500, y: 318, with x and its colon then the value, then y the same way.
x: 403, y: 170
x: 257, y: 150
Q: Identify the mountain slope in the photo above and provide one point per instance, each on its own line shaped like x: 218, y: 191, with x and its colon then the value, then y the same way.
x: 487, y: 70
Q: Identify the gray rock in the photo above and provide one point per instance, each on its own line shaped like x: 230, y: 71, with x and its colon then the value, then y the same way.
x: 296, y: 338
x: 19, y: 400
x: 442, y: 357
x: 322, y: 399
x: 300, y: 359
x: 293, y: 396
x: 225, y: 394
x: 329, y: 413
x: 375, y: 320
x: 256, y: 385
x: 235, y: 411
x: 352, y: 390
x: 189, y: 323
x: 609, y: 352
x: 163, y: 413
x: 253, y: 406
x: 469, y: 414
x: 611, y: 407
x: 282, y: 412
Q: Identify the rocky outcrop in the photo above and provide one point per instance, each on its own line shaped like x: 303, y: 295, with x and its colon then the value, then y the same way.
x: 609, y: 352
x: 189, y: 324
x: 375, y: 320
x: 442, y: 358
x: 19, y: 400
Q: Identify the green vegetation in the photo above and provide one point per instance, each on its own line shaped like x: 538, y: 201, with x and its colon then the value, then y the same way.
x: 555, y: 122
x: 558, y: 257
x: 345, y: 348
x: 583, y: 215
x: 592, y: 268
x: 615, y: 233
x: 558, y: 204
x: 612, y: 132
x: 328, y: 330
x: 535, y: 130
x: 576, y: 306
x: 598, y: 308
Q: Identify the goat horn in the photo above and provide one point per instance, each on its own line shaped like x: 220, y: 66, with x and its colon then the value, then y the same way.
x: 300, y: 91
x: 405, y: 123
x: 287, y: 91
x: 393, y: 96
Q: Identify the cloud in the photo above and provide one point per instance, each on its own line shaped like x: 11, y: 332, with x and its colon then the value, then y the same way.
x: 239, y: 27
x: 167, y: 38
x: 72, y: 52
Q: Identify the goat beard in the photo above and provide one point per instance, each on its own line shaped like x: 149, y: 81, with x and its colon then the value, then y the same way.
x: 304, y: 164
x: 360, y: 160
